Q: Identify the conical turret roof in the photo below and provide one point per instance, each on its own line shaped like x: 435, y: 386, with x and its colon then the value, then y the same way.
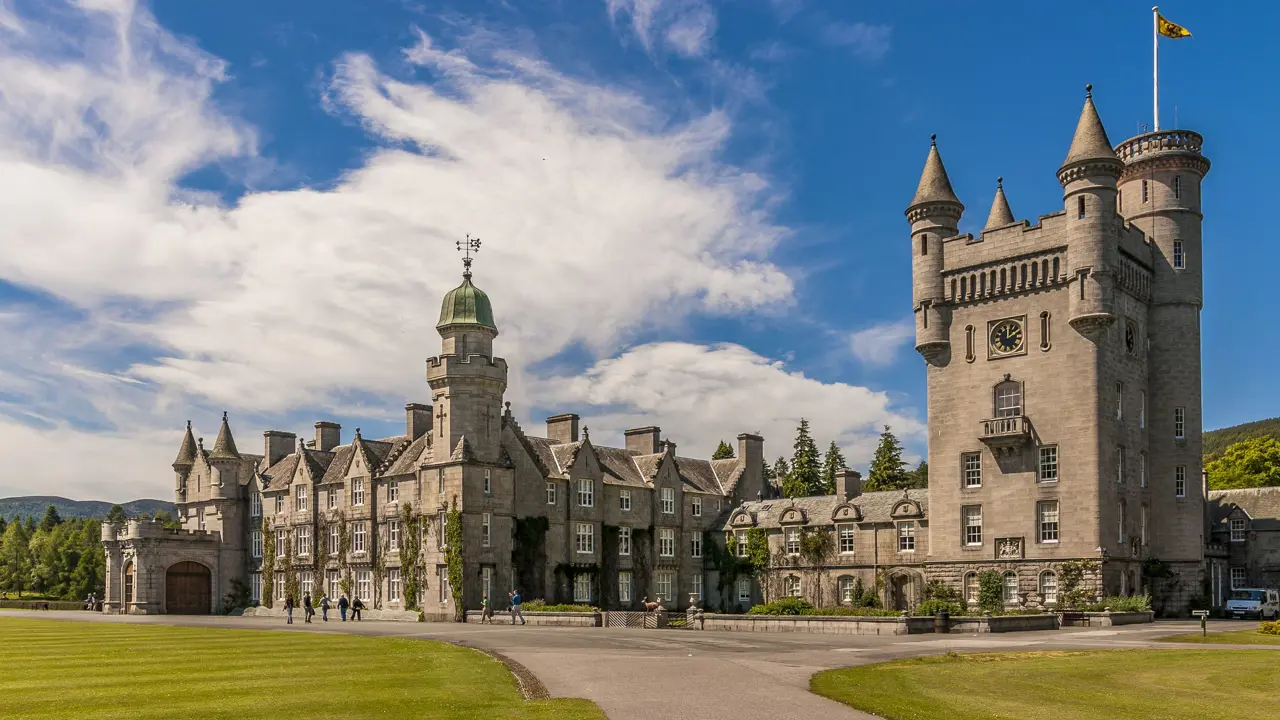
x: 187, y: 452
x: 934, y: 185
x: 1000, y: 215
x: 224, y: 448
x: 1090, y: 141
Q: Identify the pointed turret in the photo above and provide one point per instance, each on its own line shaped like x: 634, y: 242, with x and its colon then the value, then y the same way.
x: 224, y: 448
x: 1000, y: 215
x: 1090, y: 142
x: 935, y: 186
x: 187, y: 452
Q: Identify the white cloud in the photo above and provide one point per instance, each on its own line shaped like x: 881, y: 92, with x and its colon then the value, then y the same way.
x: 684, y: 26
x: 867, y: 42
x: 878, y: 345
x: 700, y: 395
x: 601, y: 219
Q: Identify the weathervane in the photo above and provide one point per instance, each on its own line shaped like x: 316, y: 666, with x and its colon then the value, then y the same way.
x: 467, y: 247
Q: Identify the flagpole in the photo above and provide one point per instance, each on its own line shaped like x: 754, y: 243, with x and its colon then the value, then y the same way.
x: 1155, y: 66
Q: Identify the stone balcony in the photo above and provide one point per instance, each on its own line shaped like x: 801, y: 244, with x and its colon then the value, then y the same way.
x: 1006, y: 434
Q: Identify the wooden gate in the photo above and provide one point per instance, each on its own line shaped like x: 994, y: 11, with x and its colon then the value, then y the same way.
x: 188, y: 589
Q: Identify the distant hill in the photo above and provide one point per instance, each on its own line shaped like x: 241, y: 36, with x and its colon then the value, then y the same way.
x: 37, y: 505
x: 1215, y: 441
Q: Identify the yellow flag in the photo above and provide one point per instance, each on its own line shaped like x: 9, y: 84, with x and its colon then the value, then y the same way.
x: 1172, y: 30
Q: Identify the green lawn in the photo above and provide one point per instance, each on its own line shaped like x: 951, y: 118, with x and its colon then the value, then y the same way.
x: 95, y: 670
x: 1096, y: 685
x: 1234, y: 637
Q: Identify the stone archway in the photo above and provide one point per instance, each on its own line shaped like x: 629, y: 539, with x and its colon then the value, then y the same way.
x: 128, y: 599
x: 904, y: 589
x: 188, y: 589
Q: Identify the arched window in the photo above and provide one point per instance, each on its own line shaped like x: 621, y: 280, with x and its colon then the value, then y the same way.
x: 1048, y: 588
x: 964, y: 287
x: 1044, y: 271
x: 982, y: 284
x: 1177, y: 186
x: 1002, y: 279
x: 1010, y: 588
x: 968, y: 343
x: 924, y: 244
x: 1024, y: 275
x: 1044, y: 331
x: 953, y: 288
x: 1080, y: 207
x: 846, y: 589
x: 1056, y: 270
x: 1008, y: 399
x: 792, y: 586
x: 971, y: 588
x: 1035, y: 269
x: 993, y: 281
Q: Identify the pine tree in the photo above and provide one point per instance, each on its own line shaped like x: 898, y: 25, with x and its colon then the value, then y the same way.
x: 833, y: 463
x: 723, y: 452
x: 781, y: 474
x: 806, y: 470
x: 919, y: 478
x: 888, y: 472
x: 116, y: 514
x: 51, y: 519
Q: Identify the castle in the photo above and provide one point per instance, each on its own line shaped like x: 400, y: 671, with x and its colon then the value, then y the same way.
x: 1063, y: 364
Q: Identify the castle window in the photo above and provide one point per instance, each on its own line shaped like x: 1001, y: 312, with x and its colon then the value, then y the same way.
x: 364, y: 585
x: 624, y: 500
x: 551, y: 493
x: 255, y: 594
x: 1119, y: 401
x: 993, y: 281
x: 1120, y: 201
x: 582, y: 588
x: 1180, y: 481
x: 1023, y: 271
x: 1238, y: 578
x: 1047, y: 470
x: 488, y: 482
x: 1120, y: 465
x: 300, y: 498
x: 1049, y: 587
x: 486, y: 529
x: 971, y: 463
x: 359, y: 536
x: 792, y: 586
x: 255, y: 505
x: 744, y: 589
x: 846, y: 539
x: 1145, y: 194
x: 393, y: 535
x: 968, y: 343
x: 279, y: 504
x: 982, y: 284
x: 302, y: 539
x: 624, y: 540
x: 846, y: 589
x: 953, y: 288
x: 972, y: 524
x: 1080, y: 207
x: 1142, y: 408
x: 1142, y: 524
x: 793, y: 541
x: 586, y: 538
x: 1238, y: 529
x: 1177, y: 186
x: 1179, y: 423
x: 1010, y: 588
x: 1035, y: 266
x: 1179, y: 257
x: 907, y: 536
x: 695, y: 542
x: 696, y: 507
x: 1044, y: 327
x: 741, y: 543
x: 668, y: 501
x: 973, y: 286
x: 333, y: 540
x: 586, y: 493
x: 964, y: 287
x: 1044, y: 271
x: 255, y: 544
x: 200, y: 519
x: 1002, y: 279
x: 1008, y: 397
x: 393, y: 490
x: 924, y: 244
x: 1142, y: 469
x: 282, y: 537
x: 624, y: 587
x: 666, y: 542
x: 1120, y: 525
x: 971, y: 588
x: 1047, y: 513
x: 1056, y: 270
x: 393, y: 584
x: 357, y: 491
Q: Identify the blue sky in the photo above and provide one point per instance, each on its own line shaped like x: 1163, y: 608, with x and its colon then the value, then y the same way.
x: 691, y: 210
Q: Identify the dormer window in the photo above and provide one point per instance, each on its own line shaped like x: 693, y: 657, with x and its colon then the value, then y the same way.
x: 668, y: 501
x: 1239, y: 528
x: 586, y: 493
x: 793, y: 541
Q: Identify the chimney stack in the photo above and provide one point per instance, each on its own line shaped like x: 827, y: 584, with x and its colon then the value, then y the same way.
x: 417, y: 420
x: 848, y: 484
x: 328, y: 435
x: 644, y: 440
x: 277, y: 444
x: 563, y: 428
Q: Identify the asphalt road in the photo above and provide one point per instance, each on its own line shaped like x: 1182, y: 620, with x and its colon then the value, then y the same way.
x: 675, y: 673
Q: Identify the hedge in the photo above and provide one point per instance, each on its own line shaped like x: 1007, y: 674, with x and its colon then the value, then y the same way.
x: 40, y: 604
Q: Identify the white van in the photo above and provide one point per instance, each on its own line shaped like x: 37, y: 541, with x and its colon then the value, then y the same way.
x: 1253, y: 602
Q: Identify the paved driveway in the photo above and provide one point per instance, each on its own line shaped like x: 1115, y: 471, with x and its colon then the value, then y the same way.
x: 669, y: 674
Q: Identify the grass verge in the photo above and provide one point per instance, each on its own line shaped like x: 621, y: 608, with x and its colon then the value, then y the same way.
x: 1231, y: 637
x: 98, y: 670
x: 1093, y: 685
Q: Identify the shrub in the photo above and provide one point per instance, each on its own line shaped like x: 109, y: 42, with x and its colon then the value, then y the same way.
x: 938, y: 590
x: 26, y: 603
x: 990, y: 591
x: 790, y: 606
x: 1120, y: 603
x: 1270, y: 628
x: 929, y: 608
x: 782, y: 606
x: 542, y: 606
x: 863, y: 596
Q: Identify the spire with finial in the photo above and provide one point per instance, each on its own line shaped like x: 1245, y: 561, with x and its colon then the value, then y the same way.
x: 586, y: 434
x: 224, y: 448
x: 187, y: 451
x: 1000, y: 215
x: 935, y: 186
x: 466, y: 247
x: 1090, y: 141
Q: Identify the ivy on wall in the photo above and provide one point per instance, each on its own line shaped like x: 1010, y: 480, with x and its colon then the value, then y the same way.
x: 529, y: 554
x: 268, y: 563
x: 990, y: 591
x: 1073, y: 592
x: 344, y: 544
x: 411, y: 569
x: 453, y: 556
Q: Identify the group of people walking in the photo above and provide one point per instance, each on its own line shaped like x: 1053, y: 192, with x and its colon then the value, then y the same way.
x: 309, y: 610
x: 515, y: 602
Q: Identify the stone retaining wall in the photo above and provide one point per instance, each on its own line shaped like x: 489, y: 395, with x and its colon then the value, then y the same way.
x: 828, y: 625
x: 556, y: 619
x: 298, y: 616
x: 1105, y: 619
x: 1004, y: 623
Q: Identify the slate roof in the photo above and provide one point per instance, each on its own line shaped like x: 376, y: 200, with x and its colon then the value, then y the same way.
x: 619, y: 467
x: 338, y: 466
x: 1262, y: 504
x: 565, y: 454
x: 278, y: 476
x: 874, y: 506
x: 698, y: 475
x: 540, y: 448
x: 187, y: 451
x: 224, y: 448
x: 1090, y: 141
x: 728, y: 473
x: 405, y: 458
x: 934, y: 185
x: 1000, y: 215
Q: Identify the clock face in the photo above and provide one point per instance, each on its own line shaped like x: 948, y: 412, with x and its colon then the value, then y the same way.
x: 1130, y: 338
x: 1006, y: 337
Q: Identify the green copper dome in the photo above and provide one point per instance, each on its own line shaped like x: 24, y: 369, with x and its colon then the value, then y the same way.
x: 466, y: 304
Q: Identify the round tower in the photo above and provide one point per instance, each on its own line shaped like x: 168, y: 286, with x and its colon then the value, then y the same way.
x: 1160, y: 195
x: 934, y: 214
x: 183, y: 463
x: 225, y: 462
x: 1089, y: 178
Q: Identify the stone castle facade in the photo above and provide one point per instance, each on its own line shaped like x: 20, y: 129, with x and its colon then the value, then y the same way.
x: 1063, y: 364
